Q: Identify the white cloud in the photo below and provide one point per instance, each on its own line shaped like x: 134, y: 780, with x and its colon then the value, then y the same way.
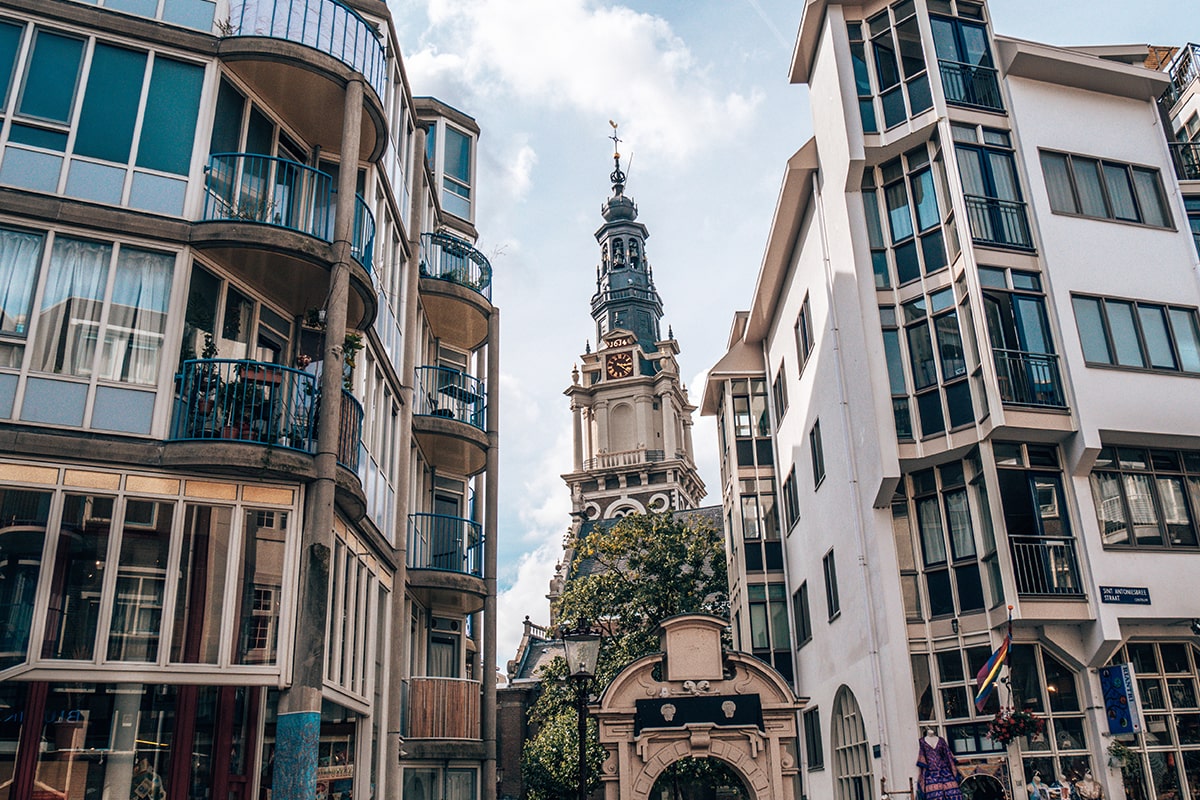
x: 526, y: 597
x: 598, y: 61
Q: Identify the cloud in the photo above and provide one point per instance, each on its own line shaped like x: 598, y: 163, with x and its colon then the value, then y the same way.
x: 600, y: 61
x: 526, y: 597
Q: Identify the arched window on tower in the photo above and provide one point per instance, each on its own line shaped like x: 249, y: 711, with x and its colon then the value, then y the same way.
x: 618, y: 253
x: 635, y: 258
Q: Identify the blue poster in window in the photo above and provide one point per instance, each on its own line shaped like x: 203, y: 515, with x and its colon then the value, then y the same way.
x: 1120, y: 701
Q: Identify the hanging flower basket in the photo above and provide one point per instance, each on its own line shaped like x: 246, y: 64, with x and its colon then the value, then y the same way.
x: 1009, y: 724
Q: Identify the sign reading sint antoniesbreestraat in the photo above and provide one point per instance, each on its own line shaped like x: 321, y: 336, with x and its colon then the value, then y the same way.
x: 1128, y: 595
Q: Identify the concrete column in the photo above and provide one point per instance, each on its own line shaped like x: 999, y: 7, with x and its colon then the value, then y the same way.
x: 643, y: 411
x: 577, y: 435
x: 299, y: 713
x: 600, y: 409
x: 491, y: 498
x: 670, y: 443
x: 399, y: 657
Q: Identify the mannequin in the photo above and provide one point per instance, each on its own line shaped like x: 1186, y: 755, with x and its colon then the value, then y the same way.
x: 1089, y: 788
x: 1037, y: 789
x: 937, y: 771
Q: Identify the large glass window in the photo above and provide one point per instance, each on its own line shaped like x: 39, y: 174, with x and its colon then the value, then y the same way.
x: 23, y: 518
x: 1022, y: 348
x: 965, y: 61
x: 1147, y: 498
x: 922, y: 237
x: 200, y: 588
x: 940, y: 374
x: 752, y: 423
x: 1091, y: 187
x: 994, y: 203
x: 77, y: 582
x: 457, y: 178
x: 137, y: 613
x: 898, y: 62
x: 20, y: 259
x: 945, y: 695
x: 1043, y: 684
x: 258, y: 571
x: 1138, y: 334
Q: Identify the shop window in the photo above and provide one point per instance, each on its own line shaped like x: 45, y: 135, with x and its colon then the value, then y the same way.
x: 136, y: 626
x: 24, y: 515
x: 200, y: 589
x: 258, y: 571
x: 1044, y: 685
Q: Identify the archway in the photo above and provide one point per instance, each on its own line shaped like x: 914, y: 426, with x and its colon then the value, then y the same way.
x: 699, y: 779
x: 698, y: 701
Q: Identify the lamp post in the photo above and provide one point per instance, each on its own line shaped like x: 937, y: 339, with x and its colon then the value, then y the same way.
x: 582, y: 649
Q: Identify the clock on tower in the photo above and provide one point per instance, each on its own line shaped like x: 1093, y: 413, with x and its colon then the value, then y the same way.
x: 619, y: 365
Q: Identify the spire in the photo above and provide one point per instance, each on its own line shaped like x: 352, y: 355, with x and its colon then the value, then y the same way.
x: 617, y: 177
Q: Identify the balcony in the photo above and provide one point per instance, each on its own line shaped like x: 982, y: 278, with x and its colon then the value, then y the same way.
x: 999, y: 223
x: 309, y: 48
x: 241, y: 401
x: 450, y: 419
x: 1185, y: 68
x: 440, y: 708
x: 971, y: 85
x: 624, y: 458
x: 445, y: 563
x: 1044, y: 567
x: 451, y: 544
x: 1186, y: 156
x: 456, y: 289
x: 1029, y: 379
x: 271, y: 220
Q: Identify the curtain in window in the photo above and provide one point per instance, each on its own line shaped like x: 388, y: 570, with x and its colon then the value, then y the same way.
x: 929, y: 518
x: 958, y: 517
x: 69, y: 319
x: 443, y: 657
x: 1058, y: 182
x: 1091, y: 194
x: 1141, y: 508
x: 1106, y: 489
x: 137, y: 317
x: 18, y: 270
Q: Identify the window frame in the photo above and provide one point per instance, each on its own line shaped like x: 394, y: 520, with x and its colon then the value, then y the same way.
x: 814, y: 745
x: 1104, y: 164
x: 804, y: 335
x: 817, y: 451
x: 1101, y: 303
x: 832, y: 599
x: 802, y: 613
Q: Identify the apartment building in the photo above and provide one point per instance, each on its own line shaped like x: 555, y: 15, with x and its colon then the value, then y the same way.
x: 247, y: 458
x: 967, y: 382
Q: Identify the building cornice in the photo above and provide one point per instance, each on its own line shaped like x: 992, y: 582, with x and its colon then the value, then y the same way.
x: 1018, y: 58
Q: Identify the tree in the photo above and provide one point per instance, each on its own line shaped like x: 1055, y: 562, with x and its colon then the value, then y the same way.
x: 627, y: 576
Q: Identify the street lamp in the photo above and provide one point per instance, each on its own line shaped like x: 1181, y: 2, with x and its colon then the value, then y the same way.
x: 581, y: 646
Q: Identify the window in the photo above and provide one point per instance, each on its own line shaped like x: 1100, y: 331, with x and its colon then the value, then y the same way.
x: 1138, y: 334
x: 817, y: 452
x: 456, y: 180
x: 965, y: 62
x: 95, y: 137
x: 1164, y: 754
x: 851, y: 751
x: 800, y: 611
x: 945, y: 532
x: 791, y: 500
x: 804, y: 334
x: 779, y: 393
x: 832, y: 602
x: 897, y: 64
x: 20, y: 258
x: 1050, y: 689
x: 921, y: 238
x: 1022, y: 348
x: 1035, y: 518
x: 760, y: 525
x: 751, y: 423
x: 896, y: 373
x: 814, y: 750
x: 940, y: 376
x: 769, y: 636
x: 1147, y: 498
x: 945, y: 697
x: 25, y: 514
x: 989, y: 176
x: 1091, y: 187
x: 1192, y: 204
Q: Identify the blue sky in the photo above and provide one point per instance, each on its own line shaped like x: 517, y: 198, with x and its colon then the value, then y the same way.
x: 700, y: 90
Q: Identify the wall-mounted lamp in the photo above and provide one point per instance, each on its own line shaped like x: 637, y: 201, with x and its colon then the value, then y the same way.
x: 954, y: 625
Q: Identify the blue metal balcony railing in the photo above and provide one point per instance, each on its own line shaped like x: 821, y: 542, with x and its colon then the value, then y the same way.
x: 1186, y: 156
x: 1029, y: 379
x: 971, y: 85
x: 1046, y: 567
x: 445, y: 392
x: 452, y: 544
x: 362, y: 246
x: 330, y: 26
x: 449, y: 258
x: 259, y: 402
x: 350, y: 432
x: 999, y: 222
x: 269, y: 190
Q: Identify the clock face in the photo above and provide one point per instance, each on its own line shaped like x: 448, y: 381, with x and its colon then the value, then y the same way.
x: 619, y: 365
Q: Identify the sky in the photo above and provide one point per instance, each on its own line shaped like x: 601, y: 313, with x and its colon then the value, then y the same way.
x: 708, y: 119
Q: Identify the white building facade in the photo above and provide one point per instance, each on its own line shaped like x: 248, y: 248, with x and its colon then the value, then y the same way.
x: 974, y: 344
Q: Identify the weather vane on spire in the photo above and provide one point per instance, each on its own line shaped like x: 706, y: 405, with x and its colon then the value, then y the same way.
x: 617, y: 177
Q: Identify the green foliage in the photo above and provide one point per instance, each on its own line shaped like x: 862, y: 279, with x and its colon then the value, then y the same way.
x: 640, y: 570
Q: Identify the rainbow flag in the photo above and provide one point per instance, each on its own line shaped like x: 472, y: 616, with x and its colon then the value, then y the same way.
x: 990, y: 671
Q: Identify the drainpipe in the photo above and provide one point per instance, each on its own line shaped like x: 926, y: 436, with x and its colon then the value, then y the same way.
x: 491, y: 499
x: 299, y: 713
x: 398, y: 668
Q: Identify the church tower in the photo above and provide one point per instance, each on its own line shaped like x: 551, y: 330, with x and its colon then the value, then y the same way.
x: 632, y: 419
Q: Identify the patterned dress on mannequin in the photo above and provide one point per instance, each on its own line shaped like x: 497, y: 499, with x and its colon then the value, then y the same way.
x: 939, y: 772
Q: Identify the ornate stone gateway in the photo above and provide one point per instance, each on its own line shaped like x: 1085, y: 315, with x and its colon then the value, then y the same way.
x: 695, y: 699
